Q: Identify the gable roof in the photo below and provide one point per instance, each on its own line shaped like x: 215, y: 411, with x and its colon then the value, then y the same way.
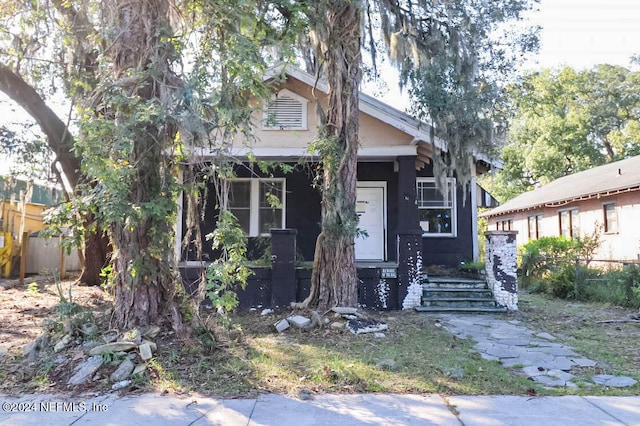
x: 421, y: 132
x: 368, y: 104
x: 602, y: 181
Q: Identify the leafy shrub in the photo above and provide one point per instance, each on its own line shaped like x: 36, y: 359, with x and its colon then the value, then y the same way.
x: 549, y: 263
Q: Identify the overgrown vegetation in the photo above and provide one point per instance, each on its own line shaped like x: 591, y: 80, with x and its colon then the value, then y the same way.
x: 564, y: 268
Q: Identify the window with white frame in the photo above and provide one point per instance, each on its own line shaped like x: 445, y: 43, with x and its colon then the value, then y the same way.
x: 535, y: 226
x: 258, y: 204
x: 569, y: 223
x: 437, y: 211
x: 285, y: 111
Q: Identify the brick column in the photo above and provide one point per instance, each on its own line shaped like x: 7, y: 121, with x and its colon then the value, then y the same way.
x: 501, y: 267
x: 283, y: 267
x: 409, y: 236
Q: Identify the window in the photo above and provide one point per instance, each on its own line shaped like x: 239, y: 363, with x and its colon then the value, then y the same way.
x: 437, y: 212
x: 535, y: 227
x: 285, y: 111
x: 504, y: 225
x: 610, y: 218
x: 258, y: 204
x: 569, y: 225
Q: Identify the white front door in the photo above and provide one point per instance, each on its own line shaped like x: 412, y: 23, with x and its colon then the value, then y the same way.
x: 370, y: 208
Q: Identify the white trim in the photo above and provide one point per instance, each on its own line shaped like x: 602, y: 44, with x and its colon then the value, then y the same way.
x: 304, y: 111
x: 473, y: 186
x: 379, y: 184
x: 254, y: 203
x: 454, y: 208
x: 378, y: 152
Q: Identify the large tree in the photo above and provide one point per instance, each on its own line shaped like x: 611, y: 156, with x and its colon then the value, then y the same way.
x: 565, y: 121
x: 453, y: 56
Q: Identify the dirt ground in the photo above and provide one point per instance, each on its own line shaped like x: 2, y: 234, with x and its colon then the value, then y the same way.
x: 23, y: 308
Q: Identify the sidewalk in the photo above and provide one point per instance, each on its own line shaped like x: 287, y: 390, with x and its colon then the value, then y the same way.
x: 360, y: 409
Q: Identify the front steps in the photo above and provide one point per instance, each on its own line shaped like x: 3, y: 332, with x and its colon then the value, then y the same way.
x: 451, y: 294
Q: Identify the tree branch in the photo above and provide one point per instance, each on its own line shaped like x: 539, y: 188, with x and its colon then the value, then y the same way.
x: 59, y: 139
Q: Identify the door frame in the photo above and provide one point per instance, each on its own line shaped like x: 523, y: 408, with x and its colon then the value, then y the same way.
x: 378, y: 184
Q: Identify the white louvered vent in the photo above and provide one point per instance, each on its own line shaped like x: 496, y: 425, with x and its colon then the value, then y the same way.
x: 286, y: 111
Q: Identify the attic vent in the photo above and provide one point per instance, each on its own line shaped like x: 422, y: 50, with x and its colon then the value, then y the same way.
x: 286, y: 111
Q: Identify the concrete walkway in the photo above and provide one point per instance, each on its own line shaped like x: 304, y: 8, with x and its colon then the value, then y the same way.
x: 539, y: 356
x: 361, y: 409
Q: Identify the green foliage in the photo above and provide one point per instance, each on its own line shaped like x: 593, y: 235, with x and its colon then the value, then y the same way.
x: 549, y: 263
x: 565, y: 121
x: 230, y: 269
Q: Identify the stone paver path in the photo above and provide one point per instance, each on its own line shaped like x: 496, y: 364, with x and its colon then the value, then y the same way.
x: 538, y: 355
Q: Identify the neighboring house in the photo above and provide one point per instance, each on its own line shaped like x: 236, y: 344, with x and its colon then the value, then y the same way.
x: 409, y: 223
x: 605, y: 199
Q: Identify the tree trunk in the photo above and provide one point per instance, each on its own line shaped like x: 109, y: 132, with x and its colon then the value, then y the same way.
x: 334, y: 267
x: 96, y: 254
x: 145, y: 284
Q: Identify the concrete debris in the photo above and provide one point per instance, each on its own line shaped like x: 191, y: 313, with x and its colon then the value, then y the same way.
x: 88, y: 328
x: 266, y: 311
x: 343, y: 310
x: 360, y: 326
x: 145, y: 351
x: 123, y: 371
x: 299, y: 321
x: 121, y: 385
x: 139, y: 369
x: 112, y: 347
x: 152, y: 332
x: 337, y: 325
x: 281, y: 325
x: 63, y: 343
x: 85, y: 370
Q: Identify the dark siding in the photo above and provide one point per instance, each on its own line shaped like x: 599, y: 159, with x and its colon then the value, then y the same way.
x: 450, y: 251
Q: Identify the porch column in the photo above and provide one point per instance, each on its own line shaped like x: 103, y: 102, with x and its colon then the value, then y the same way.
x: 500, y: 267
x: 408, y: 236
x: 283, y: 267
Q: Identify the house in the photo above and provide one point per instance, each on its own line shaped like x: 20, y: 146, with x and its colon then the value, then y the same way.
x: 397, y: 200
x: 604, y: 199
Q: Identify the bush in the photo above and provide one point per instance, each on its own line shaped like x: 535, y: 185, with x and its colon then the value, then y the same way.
x: 549, y: 264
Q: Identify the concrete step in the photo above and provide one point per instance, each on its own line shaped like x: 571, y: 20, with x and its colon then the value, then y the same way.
x: 459, y: 302
x: 453, y: 282
x: 440, y: 309
x: 456, y: 292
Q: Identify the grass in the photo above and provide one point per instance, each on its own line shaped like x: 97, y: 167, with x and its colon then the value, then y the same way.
x: 417, y: 356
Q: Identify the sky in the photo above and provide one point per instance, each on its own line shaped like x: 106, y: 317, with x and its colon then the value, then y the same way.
x: 584, y: 33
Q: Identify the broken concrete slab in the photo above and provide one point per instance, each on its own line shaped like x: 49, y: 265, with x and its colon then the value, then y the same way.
x: 112, y: 347
x: 63, y: 343
x: 145, y: 351
x: 360, y: 326
x: 299, y: 321
x: 281, y: 325
x: 139, y: 369
x: 344, y: 310
x: 123, y: 371
x: 85, y: 370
